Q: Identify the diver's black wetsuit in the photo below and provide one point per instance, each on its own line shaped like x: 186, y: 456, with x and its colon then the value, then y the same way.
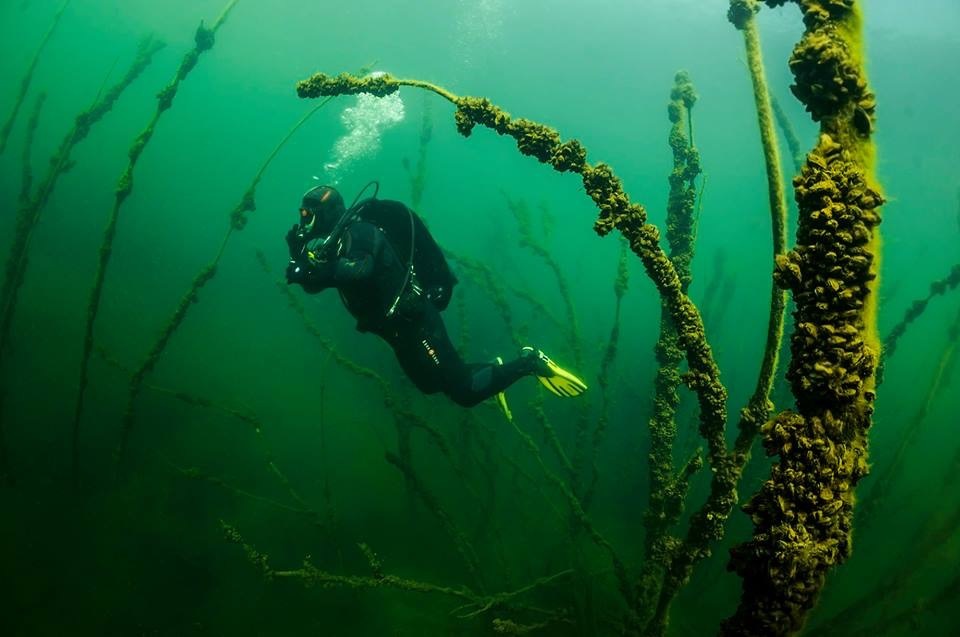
x: 369, y: 269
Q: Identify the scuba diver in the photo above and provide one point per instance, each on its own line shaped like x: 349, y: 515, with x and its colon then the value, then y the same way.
x: 393, y: 278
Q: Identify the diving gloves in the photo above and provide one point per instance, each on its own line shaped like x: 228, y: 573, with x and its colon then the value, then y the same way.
x: 555, y: 378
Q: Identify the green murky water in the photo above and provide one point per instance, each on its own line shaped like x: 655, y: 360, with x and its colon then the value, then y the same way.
x: 269, y: 413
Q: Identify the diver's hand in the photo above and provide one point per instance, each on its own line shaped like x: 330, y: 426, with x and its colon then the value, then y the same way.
x: 313, y: 277
x: 296, y: 273
x: 296, y: 242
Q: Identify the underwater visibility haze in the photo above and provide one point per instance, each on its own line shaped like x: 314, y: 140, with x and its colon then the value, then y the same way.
x: 733, y: 225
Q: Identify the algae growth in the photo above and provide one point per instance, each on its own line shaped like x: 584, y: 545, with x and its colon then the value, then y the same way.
x: 190, y: 445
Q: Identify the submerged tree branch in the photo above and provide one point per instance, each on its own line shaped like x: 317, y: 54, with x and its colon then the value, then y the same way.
x: 28, y: 77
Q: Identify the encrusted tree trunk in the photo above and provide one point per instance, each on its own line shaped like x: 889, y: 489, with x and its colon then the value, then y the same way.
x: 803, y: 515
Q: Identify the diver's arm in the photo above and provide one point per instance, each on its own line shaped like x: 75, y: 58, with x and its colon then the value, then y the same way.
x: 312, y: 277
x: 357, y: 268
x: 315, y: 276
x: 359, y: 262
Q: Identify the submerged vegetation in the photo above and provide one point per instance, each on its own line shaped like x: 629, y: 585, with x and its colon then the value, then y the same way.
x: 509, y: 521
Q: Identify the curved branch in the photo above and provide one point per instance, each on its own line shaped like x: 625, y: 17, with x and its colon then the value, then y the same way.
x: 616, y: 212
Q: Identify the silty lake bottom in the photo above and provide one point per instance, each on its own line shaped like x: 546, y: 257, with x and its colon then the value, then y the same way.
x: 736, y: 223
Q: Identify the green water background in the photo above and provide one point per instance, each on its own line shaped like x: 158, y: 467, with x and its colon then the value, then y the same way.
x: 144, y: 554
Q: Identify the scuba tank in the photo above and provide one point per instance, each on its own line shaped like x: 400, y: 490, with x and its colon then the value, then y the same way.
x: 427, y: 268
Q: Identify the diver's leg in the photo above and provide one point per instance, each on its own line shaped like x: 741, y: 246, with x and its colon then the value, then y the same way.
x: 429, y: 358
x: 486, y: 380
x: 415, y: 359
x: 471, y: 384
x: 425, y: 352
x: 433, y: 361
